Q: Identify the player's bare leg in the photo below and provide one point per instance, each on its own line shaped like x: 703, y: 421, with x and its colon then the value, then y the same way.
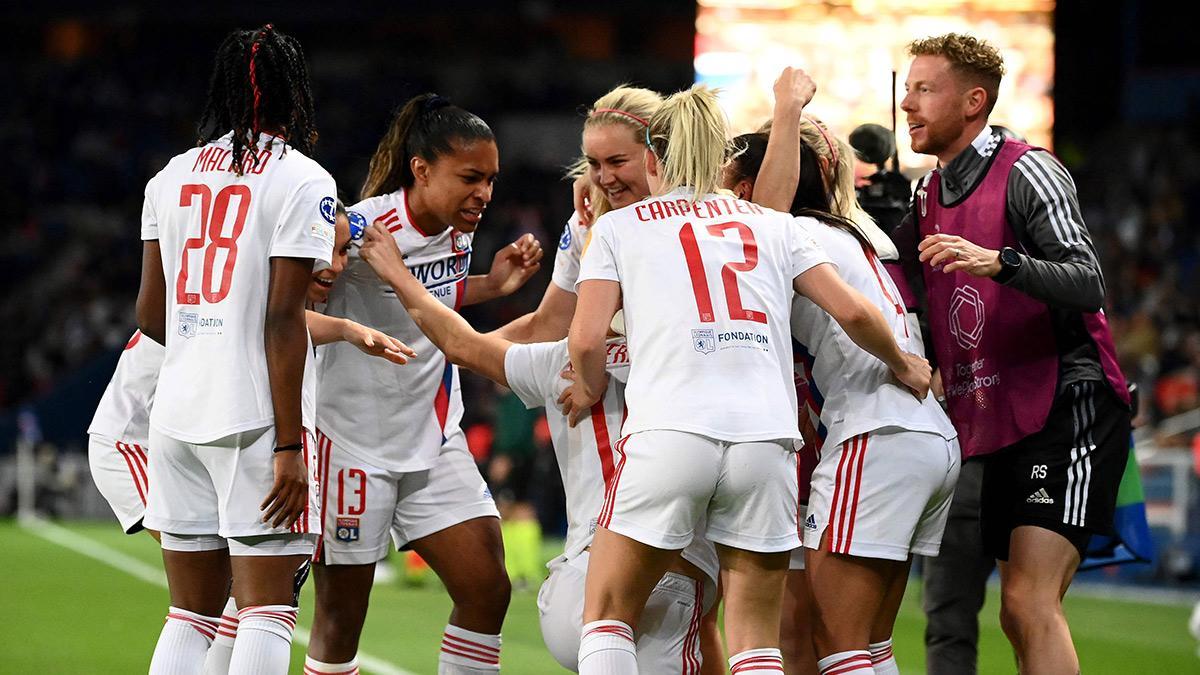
x: 848, y: 594
x: 343, y: 594
x: 753, y: 584
x: 1033, y: 582
x: 621, y: 574
x: 469, y: 559
x: 796, y: 626
x: 882, y: 659
x: 199, y: 580
x: 712, y: 644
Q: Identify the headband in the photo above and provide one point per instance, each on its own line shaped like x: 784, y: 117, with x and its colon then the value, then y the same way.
x: 630, y: 115
x: 828, y: 141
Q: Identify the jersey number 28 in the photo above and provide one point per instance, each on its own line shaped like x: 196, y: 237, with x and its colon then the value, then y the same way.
x: 213, y: 213
x: 695, y: 265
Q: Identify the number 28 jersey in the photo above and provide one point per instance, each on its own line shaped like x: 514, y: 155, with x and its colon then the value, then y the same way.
x: 707, y: 290
x: 217, y: 232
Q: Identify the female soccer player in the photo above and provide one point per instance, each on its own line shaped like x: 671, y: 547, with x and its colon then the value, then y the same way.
x: 712, y: 404
x: 118, y: 438
x: 610, y: 176
x: 394, y: 463
x: 858, y: 572
x: 669, y: 639
x: 234, y: 226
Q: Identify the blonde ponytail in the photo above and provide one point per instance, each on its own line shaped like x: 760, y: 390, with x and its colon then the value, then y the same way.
x: 690, y: 137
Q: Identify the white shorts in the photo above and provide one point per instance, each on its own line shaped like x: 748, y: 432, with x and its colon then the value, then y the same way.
x: 666, y: 482
x: 884, y: 494
x: 364, y: 504
x: 120, y: 472
x: 217, y: 488
x: 668, y: 634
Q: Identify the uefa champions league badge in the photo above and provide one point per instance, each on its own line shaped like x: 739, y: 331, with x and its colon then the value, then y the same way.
x: 564, y: 242
x: 358, y: 225
x: 347, y: 529
x: 188, y: 324
x: 704, y: 340
x: 328, y: 210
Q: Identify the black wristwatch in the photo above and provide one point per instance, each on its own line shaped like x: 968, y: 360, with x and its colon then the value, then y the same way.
x: 1010, y: 263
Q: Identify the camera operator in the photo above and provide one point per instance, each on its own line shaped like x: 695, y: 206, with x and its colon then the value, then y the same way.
x: 883, y: 192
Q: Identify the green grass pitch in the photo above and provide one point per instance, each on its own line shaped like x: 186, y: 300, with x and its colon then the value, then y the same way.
x: 69, y: 613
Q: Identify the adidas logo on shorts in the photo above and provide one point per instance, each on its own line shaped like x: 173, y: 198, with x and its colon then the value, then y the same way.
x: 811, y: 523
x: 1040, y: 497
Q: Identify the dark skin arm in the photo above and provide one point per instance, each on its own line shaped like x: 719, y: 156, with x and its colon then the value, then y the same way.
x: 152, y: 295
x: 285, y: 336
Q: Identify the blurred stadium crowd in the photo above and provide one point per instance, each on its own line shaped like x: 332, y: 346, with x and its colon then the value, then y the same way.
x: 111, y: 97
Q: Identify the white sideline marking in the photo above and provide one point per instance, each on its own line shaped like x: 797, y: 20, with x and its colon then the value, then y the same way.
x: 152, y: 575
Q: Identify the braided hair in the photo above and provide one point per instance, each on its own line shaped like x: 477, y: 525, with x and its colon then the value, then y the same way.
x: 259, y: 82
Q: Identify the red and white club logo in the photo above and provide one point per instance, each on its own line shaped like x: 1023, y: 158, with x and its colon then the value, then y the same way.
x: 966, y: 317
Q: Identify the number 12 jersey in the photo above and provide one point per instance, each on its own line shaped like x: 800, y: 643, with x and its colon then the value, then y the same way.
x: 707, y: 290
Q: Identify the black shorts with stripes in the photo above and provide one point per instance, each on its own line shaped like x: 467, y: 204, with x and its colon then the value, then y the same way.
x: 1063, y: 478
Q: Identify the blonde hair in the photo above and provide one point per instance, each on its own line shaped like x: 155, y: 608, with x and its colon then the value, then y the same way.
x: 626, y: 106
x: 977, y: 61
x: 838, y: 165
x: 690, y: 137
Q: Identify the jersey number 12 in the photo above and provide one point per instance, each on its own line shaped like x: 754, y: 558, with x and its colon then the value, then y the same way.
x: 695, y: 265
x: 213, y: 213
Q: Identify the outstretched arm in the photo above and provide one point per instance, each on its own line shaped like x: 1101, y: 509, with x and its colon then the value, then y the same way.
x: 325, y: 329
x: 549, y: 323
x: 462, y: 345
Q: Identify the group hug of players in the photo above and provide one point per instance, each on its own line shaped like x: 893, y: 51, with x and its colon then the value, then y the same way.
x: 738, y: 398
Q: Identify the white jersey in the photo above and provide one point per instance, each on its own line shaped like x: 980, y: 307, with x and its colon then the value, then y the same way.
x: 218, y: 231
x: 124, y: 410
x: 707, y: 293
x: 856, y: 391
x: 585, y: 454
x: 570, y: 250
x: 396, y: 418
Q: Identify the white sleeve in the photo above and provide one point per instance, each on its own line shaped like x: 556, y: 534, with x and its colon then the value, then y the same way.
x: 305, y: 228
x: 804, y: 253
x: 570, y: 250
x: 532, y: 371
x: 149, y: 215
x: 599, y: 260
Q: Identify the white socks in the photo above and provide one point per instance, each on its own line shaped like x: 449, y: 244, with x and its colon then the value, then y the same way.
x: 466, y: 652
x: 216, y: 662
x: 856, y: 662
x: 882, y: 658
x: 607, y: 648
x: 184, y: 639
x: 756, y: 662
x: 264, y: 640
